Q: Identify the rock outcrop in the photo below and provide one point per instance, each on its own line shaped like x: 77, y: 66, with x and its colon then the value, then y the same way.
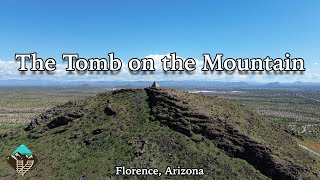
x: 181, y: 118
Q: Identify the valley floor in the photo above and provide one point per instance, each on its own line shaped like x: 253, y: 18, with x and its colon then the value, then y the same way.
x: 298, y: 109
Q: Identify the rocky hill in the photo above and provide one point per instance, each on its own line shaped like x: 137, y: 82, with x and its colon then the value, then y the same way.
x: 158, y: 128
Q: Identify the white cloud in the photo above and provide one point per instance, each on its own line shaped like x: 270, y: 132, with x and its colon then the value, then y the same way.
x: 9, y: 70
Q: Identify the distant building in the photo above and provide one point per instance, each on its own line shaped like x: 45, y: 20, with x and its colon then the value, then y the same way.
x: 155, y: 85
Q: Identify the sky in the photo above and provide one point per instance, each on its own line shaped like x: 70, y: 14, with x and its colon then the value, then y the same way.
x: 155, y: 28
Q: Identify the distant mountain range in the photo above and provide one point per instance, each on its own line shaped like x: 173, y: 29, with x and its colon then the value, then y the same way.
x: 171, y: 84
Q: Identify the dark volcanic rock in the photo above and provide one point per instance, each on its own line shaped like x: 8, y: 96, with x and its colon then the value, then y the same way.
x: 8, y: 134
x: 99, y: 131
x: 87, y: 141
x: 167, y: 110
x: 59, y: 121
x: 75, y: 135
x: 123, y: 90
x: 64, y: 119
x: 109, y: 111
x: 34, y: 136
x: 77, y: 112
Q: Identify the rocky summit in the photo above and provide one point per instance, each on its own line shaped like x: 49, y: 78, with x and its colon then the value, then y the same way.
x: 158, y: 128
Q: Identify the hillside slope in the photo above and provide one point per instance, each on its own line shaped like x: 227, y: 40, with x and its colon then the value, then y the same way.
x: 157, y: 128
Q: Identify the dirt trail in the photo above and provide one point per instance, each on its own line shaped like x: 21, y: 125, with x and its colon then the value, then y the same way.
x: 310, y: 150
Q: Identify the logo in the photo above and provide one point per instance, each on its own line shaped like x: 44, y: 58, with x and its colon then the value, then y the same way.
x: 22, y: 160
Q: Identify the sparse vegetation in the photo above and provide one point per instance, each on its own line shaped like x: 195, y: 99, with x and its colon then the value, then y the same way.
x: 297, y: 109
x: 90, y: 136
x: 19, y: 105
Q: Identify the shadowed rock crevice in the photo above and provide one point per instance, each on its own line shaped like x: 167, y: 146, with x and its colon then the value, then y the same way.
x: 168, y: 110
x: 51, y: 121
x: 108, y: 110
x: 64, y: 120
x: 75, y: 109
